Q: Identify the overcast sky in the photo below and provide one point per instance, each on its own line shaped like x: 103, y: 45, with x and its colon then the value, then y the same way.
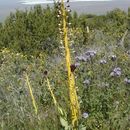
x: 31, y: 2
x: 90, y: 6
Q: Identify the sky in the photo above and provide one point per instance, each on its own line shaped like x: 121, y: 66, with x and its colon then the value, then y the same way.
x: 32, y: 2
x: 81, y: 6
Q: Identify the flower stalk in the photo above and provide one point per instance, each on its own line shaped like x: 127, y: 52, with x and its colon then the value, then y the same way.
x: 52, y: 94
x: 71, y: 81
x: 31, y: 94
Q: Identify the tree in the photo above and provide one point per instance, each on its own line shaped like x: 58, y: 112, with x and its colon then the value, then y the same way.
x: 129, y: 18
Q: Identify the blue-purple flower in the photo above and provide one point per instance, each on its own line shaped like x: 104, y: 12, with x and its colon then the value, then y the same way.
x: 116, y: 72
x: 86, y: 56
x: 127, y: 81
x: 85, y: 115
x: 81, y: 58
x: 77, y: 64
x: 90, y: 53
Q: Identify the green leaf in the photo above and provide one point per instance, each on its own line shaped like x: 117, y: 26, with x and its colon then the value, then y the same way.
x: 64, y: 123
x: 82, y: 127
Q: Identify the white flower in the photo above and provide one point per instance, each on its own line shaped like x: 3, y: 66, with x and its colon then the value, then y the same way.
x: 85, y: 115
x: 103, y: 61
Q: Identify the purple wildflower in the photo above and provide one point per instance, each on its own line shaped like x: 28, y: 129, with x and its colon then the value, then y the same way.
x: 90, y: 53
x: 127, y: 81
x: 117, y: 69
x: 85, y: 115
x: 86, y: 56
x: 116, y: 72
x: 77, y: 64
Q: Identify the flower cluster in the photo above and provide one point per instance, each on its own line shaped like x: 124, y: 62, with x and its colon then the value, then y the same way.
x: 116, y: 72
x: 86, y: 56
x: 90, y: 53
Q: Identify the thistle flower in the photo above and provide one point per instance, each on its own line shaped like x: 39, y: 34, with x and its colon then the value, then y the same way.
x: 85, y: 115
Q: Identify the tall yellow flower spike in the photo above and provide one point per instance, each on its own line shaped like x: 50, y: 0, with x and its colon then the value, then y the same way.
x: 71, y: 81
x: 52, y: 94
x: 31, y: 94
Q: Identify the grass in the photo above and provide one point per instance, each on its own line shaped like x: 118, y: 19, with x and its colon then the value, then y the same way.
x: 104, y: 100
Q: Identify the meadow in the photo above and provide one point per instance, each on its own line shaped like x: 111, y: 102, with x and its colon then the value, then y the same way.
x: 34, y: 92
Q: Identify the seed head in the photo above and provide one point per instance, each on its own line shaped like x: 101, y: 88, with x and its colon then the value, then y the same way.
x: 113, y: 57
x: 45, y: 72
x: 73, y: 67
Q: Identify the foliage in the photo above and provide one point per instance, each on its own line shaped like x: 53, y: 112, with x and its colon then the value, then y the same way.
x: 30, y: 31
x: 36, y: 30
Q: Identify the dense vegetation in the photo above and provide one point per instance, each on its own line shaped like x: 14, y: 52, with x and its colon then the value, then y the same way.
x: 36, y: 30
x: 29, y: 43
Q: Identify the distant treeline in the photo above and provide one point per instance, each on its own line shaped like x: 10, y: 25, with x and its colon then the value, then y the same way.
x: 36, y: 30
